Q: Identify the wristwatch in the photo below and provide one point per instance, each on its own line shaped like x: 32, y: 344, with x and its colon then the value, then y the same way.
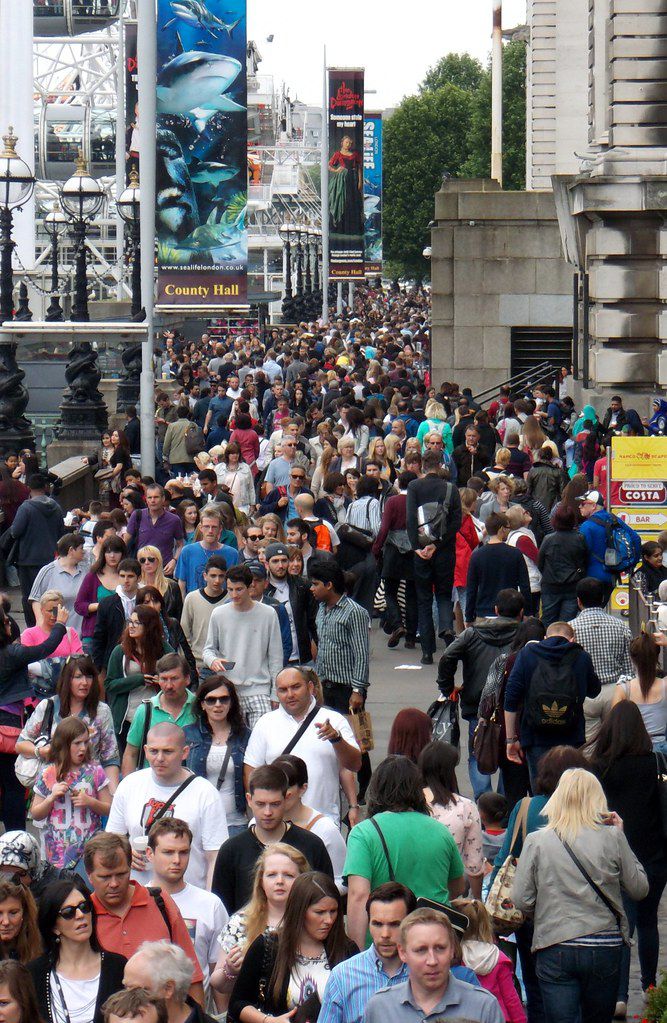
x: 356, y: 689
x: 336, y: 738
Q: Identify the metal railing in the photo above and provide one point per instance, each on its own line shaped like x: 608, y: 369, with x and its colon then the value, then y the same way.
x: 539, y: 374
x: 46, y: 430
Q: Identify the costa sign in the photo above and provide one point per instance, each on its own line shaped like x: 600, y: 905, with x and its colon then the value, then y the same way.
x: 642, y: 492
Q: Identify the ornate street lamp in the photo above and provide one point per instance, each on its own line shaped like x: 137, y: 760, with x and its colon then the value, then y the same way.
x: 308, y: 290
x: 317, y: 290
x: 81, y: 198
x: 128, y: 206
x: 299, y: 310
x: 287, y: 234
x: 55, y: 225
x: 16, y: 186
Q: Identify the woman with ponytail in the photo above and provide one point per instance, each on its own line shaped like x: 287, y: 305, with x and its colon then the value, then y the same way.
x: 645, y: 688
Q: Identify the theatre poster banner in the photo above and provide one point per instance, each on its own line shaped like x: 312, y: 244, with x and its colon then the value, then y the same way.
x: 373, y: 193
x: 346, y: 174
x: 201, y: 157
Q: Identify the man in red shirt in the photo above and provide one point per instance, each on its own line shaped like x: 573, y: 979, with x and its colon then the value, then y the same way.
x: 127, y: 914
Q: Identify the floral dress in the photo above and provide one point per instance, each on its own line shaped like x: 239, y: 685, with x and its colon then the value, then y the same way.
x: 67, y: 827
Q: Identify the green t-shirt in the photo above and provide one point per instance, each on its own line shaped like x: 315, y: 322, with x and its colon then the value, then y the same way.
x: 186, y: 717
x: 423, y: 854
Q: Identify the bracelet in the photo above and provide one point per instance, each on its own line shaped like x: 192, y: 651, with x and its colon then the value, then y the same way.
x: 508, y: 742
x: 336, y: 738
x: 353, y: 806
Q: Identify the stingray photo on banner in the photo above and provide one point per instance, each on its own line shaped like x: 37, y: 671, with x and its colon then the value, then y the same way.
x: 346, y: 173
x: 201, y: 159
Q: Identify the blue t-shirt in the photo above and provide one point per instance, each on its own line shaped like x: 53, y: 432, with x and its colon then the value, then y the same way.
x: 192, y: 561
x: 219, y: 409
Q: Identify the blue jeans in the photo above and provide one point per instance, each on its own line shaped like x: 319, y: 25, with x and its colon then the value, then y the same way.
x: 524, y: 940
x: 533, y: 756
x: 558, y: 607
x: 480, y: 782
x: 237, y: 829
x: 578, y: 984
x: 643, y: 917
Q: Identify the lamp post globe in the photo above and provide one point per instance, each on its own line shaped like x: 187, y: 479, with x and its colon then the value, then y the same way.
x: 17, y: 183
x: 81, y: 198
x: 55, y: 225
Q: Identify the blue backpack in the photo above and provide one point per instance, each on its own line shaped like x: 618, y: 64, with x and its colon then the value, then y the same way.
x: 624, y: 545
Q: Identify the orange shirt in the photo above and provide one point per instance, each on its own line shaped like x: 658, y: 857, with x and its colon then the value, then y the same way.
x: 143, y: 921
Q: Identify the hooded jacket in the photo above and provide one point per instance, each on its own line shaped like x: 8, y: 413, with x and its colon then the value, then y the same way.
x: 477, y: 648
x: 518, y: 685
x: 495, y: 973
x: 657, y: 425
x: 38, y: 526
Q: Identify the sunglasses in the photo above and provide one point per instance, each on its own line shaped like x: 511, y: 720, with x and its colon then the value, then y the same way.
x: 298, y: 477
x: 69, y: 912
x: 212, y: 700
x: 150, y: 561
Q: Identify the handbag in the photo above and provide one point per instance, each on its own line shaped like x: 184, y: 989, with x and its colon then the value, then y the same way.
x: 8, y: 738
x: 486, y: 743
x: 662, y: 789
x: 355, y: 535
x: 504, y: 914
x: 26, y: 769
x: 444, y: 714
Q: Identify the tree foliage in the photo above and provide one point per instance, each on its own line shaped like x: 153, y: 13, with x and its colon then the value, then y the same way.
x: 446, y: 128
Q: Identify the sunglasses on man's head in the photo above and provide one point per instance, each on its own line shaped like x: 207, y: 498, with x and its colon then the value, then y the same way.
x: 150, y: 561
x: 69, y: 912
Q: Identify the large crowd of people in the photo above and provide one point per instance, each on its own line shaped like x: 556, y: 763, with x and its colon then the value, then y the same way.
x: 193, y: 828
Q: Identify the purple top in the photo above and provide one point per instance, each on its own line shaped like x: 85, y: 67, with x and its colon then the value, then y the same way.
x: 87, y: 595
x: 167, y: 531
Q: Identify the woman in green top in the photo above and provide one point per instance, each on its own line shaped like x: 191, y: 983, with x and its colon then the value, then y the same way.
x: 420, y: 851
x: 131, y: 676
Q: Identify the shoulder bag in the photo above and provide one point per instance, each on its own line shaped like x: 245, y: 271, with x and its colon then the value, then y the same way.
x: 299, y: 732
x: 355, y: 535
x: 148, y: 714
x: 172, y: 799
x: 616, y: 913
x: 504, y: 914
x: 26, y: 769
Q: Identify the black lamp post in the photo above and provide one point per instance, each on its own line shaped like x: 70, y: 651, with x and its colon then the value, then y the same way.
x: 81, y: 199
x: 308, y: 291
x: 287, y: 308
x: 55, y: 224
x: 16, y: 186
x: 128, y: 206
x: 317, y: 290
x: 299, y: 311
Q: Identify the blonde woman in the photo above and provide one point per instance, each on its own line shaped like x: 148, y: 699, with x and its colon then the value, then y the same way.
x: 346, y: 458
x: 377, y: 452
x: 152, y: 574
x: 276, y: 870
x: 323, y: 467
x: 502, y: 488
x: 578, y: 947
x: 436, y: 422
x: 272, y: 527
x: 392, y: 445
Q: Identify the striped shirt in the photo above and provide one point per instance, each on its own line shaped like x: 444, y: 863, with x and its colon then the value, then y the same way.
x: 365, y: 513
x: 352, y: 983
x: 342, y: 651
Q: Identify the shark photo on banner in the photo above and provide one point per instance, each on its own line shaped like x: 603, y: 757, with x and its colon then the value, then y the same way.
x: 201, y: 162
x: 373, y: 193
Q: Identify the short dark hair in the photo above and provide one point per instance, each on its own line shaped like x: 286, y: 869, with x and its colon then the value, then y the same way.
x: 239, y: 574
x: 494, y: 805
x: 128, y: 1004
x: 431, y: 461
x: 168, y: 826
x: 69, y: 542
x: 326, y: 570
x: 553, y: 764
x: 396, y: 786
x: 295, y: 768
x: 171, y: 662
x: 591, y: 592
x: 38, y: 481
x: 299, y: 524
x: 207, y: 475
x: 563, y: 519
x: 368, y: 487
x: 130, y: 565
x: 495, y: 522
x: 510, y: 603
x: 216, y: 561
x: 268, y: 777
x: 392, y: 891
x: 406, y: 477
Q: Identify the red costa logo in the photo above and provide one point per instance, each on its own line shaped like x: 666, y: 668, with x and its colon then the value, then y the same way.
x: 643, y: 492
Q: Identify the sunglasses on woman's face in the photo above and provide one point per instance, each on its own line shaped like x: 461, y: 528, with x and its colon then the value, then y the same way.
x: 212, y: 700
x: 150, y: 561
x: 69, y: 912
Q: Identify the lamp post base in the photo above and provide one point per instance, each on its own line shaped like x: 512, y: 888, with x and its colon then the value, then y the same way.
x: 15, y: 430
x: 83, y: 413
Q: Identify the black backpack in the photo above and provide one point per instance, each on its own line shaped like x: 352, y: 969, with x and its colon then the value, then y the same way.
x: 553, y: 698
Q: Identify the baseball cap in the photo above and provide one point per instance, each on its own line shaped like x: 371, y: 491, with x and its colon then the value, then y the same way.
x: 591, y: 495
x: 276, y: 550
x: 19, y: 849
x: 257, y: 569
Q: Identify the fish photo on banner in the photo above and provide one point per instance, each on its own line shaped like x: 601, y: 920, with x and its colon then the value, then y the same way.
x: 201, y: 159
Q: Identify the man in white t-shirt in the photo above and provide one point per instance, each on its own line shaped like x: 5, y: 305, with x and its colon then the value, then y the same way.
x: 168, y: 854
x: 327, y: 744
x: 141, y: 798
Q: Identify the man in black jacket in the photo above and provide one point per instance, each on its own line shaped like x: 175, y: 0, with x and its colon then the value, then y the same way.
x: 36, y: 529
x: 113, y: 613
x: 477, y: 648
x: 434, y: 549
x: 614, y: 420
x: 469, y: 458
x: 294, y: 594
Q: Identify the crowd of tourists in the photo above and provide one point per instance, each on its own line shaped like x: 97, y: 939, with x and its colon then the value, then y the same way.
x: 192, y: 826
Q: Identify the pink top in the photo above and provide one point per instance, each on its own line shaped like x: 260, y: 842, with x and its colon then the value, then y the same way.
x: 461, y: 817
x: 500, y: 982
x: 70, y: 645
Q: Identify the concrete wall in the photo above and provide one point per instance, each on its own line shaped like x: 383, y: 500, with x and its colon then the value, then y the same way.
x: 496, y: 263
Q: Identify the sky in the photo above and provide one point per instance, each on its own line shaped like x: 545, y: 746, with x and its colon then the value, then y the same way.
x: 397, y: 41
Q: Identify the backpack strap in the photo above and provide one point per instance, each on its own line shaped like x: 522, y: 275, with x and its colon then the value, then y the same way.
x: 156, y: 894
x: 311, y: 824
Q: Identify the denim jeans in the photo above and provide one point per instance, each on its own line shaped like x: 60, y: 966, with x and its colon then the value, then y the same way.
x: 524, y: 940
x: 578, y: 984
x: 480, y: 782
x: 533, y: 756
x: 558, y: 607
x: 643, y: 917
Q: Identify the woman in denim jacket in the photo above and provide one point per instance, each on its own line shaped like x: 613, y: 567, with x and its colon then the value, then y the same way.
x: 218, y: 740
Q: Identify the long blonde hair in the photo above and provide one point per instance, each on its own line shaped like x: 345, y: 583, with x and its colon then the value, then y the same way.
x: 256, y: 911
x: 579, y: 802
x: 392, y: 444
x: 160, y: 583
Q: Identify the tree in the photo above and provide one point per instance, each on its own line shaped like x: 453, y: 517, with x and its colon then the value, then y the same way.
x: 478, y: 165
x: 454, y: 69
x: 425, y: 137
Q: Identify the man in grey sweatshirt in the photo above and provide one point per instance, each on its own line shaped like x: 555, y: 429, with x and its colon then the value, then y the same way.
x: 245, y: 644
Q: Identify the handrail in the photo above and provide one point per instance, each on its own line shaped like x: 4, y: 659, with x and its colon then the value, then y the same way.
x: 535, y: 373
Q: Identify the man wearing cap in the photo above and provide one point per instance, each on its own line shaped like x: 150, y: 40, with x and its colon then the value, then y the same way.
x: 21, y: 862
x: 295, y: 596
x: 594, y: 531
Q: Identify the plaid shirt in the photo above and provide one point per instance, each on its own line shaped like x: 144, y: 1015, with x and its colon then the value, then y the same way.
x: 342, y: 643
x: 607, y: 640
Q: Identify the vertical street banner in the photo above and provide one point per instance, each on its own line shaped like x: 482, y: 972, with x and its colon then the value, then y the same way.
x: 201, y: 157
x: 131, y: 100
x: 346, y: 173
x: 373, y: 193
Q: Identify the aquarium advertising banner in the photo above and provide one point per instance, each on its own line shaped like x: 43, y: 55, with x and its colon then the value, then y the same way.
x: 201, y: 160
x: 373, y: 193
x: 131, y: 101
x: 346, y: 174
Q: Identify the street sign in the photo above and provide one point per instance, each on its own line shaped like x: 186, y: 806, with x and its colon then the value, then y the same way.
x: 642, y: 492
x: 650, y: 519
x: 639, y: 458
